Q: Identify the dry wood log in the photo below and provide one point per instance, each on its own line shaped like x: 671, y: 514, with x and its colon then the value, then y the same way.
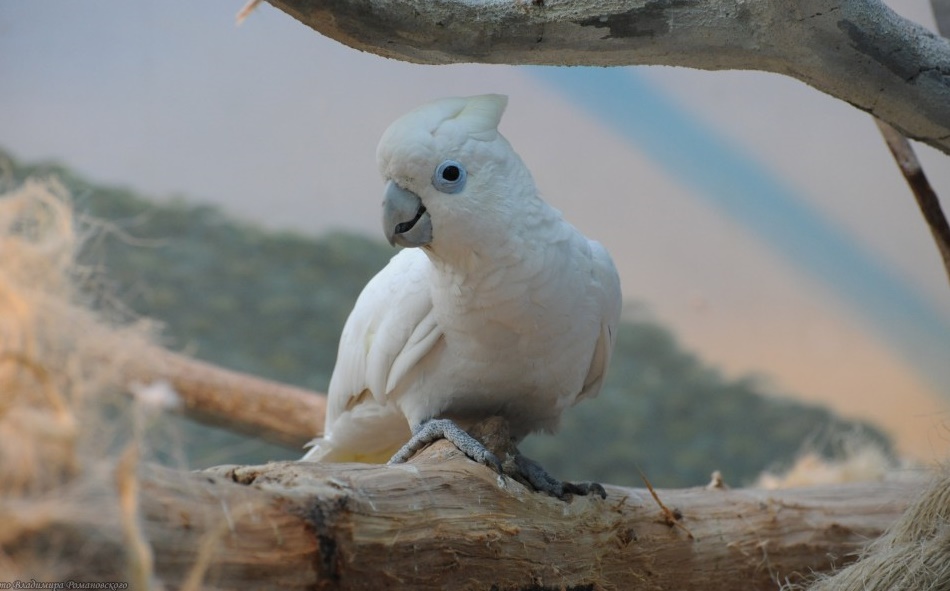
x: 444, y: 522
x: 270, y: 410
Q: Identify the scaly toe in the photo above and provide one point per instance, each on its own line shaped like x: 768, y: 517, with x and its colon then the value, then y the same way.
x: 435, y: 429
x: 539, y: 479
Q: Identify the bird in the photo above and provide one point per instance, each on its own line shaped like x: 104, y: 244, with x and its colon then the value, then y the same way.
x: 495, y: 306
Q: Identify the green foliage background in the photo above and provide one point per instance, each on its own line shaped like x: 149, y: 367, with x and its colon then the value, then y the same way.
x: 273, y: 303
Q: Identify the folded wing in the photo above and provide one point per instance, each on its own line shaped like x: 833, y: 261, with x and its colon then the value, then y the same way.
x: 391, y: 329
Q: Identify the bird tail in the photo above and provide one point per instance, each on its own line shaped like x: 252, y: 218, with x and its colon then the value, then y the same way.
x: 370, y: 433
x: 323, y: 450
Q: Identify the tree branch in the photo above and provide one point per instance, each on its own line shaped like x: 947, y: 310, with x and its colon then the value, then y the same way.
x: 923, y: 192
x: 275, y: 412
x: 856, y: 50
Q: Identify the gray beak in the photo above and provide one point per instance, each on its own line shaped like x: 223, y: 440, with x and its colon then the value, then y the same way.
x: 405, y: 220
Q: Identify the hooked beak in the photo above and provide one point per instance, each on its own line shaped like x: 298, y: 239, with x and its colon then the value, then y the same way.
x: 405, y: 220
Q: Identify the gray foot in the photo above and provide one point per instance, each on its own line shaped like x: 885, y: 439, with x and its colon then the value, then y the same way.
x: 541, y: 481
x: 435, y: 429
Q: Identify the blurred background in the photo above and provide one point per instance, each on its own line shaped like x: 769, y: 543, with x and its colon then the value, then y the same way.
x: 780, y: 285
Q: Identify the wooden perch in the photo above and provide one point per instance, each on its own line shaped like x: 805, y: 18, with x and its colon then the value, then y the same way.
x: 275, y: 412
x: 439, y: 522
x: 444, y: 522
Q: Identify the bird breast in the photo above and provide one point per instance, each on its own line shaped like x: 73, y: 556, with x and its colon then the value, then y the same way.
x: 519, y: 333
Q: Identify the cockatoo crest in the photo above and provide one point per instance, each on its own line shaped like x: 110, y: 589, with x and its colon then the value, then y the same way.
x: 481, y: 114
x: 440, y: 125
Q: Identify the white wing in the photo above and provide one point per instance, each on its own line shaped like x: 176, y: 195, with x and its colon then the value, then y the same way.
x: 391, y: 328
x: 608, y: 282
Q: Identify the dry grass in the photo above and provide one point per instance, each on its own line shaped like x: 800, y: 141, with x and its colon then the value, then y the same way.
x: 914, y: 555
x: 62, y: 429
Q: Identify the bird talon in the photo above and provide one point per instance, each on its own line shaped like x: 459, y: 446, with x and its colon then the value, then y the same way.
x: 540, y: 480
x: 585, y: 489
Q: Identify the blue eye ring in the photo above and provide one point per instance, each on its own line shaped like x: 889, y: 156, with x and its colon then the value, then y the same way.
x: 449, y: 177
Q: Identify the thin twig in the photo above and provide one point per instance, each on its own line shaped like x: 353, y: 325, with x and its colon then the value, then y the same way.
x: 671, y: 517
x: 923, y: 192
x: 246, y: 11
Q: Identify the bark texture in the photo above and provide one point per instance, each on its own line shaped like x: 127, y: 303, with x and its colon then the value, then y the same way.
x: 856, y: 50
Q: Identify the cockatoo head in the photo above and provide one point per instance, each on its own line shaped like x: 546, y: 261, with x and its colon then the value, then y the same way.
x: 452, y: 179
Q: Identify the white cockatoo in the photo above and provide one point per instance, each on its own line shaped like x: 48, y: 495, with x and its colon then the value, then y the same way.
x: 497, y: 306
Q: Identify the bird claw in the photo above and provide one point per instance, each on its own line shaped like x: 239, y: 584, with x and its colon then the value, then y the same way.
x: 519, y: 467
x: 435, y: 429
x: 540, y: 480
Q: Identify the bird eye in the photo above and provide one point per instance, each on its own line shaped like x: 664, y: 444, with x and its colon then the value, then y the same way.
x: 449, y: 177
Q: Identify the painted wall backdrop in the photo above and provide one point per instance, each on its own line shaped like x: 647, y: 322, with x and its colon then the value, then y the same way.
x: 761, y: 220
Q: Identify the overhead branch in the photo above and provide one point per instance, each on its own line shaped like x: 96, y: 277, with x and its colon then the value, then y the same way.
x: 859, y: 51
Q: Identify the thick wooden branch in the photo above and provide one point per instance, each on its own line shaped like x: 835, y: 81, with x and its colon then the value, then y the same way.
x: 275, y: 412
x: 856, y: 50
x: 444, y: 522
